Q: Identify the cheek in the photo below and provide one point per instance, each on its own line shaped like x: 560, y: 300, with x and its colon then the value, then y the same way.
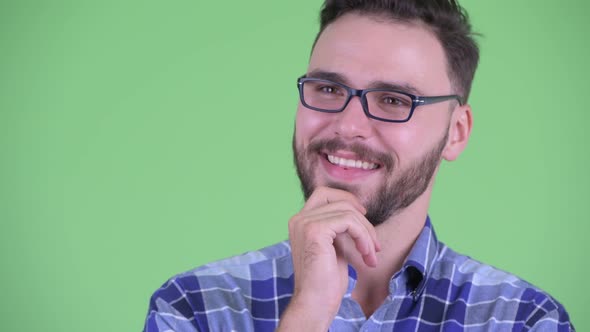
x: 409, y: 141
x: 402, y: 139
x: 310, y: 123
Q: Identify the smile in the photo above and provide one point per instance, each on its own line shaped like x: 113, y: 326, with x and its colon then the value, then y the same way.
x: 351, y: 163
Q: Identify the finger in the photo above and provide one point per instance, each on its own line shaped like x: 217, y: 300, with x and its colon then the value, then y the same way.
x: 303, y: 220
x: 350, y: 224
x: 347, y: 246
x: 325, y: 195
x: 328, y: 225
x: 342, y: 205
x: 348, y: 206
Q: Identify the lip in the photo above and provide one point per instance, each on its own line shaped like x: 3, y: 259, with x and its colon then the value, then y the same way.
x: 344, y: 174
x: 348, y: 155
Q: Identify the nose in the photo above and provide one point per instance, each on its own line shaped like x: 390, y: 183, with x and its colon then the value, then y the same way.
x: 352, y: 122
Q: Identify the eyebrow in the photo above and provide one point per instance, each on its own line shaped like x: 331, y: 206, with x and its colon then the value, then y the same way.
x: 339, y: 78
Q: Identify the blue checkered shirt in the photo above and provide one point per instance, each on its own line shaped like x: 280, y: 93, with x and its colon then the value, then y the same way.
x: 437, y: 289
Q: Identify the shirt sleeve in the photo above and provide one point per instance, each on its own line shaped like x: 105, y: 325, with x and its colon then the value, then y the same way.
x: 170, y: 311
x: 166, y: 320
x: 555, y: 320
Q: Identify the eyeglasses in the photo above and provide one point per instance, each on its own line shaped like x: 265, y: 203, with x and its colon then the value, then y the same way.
x: 380, y: 104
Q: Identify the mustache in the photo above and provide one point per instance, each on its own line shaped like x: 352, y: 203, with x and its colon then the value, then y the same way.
x: 364, y: 152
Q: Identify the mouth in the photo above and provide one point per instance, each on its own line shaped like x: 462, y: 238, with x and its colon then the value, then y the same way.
x: 347, y: 167
x: 350, y: 163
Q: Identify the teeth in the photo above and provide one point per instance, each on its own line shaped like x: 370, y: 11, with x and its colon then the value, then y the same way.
x: 349, y: 163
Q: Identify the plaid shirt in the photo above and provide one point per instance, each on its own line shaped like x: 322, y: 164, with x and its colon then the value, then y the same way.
x: 437, y: 289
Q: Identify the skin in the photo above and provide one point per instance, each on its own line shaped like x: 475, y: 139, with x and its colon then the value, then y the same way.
x: 331, y: 230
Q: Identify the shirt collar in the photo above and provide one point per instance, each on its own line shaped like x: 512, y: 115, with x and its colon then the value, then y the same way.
x: 418, y: 264
x: 416, y: 267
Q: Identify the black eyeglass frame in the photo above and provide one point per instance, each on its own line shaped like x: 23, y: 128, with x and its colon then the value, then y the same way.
x: 416, y: 100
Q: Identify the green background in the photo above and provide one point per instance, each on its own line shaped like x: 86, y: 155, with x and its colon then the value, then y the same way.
x: 139, y: 139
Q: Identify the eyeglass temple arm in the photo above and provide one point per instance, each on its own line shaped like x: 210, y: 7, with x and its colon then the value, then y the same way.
x: 437, y: 99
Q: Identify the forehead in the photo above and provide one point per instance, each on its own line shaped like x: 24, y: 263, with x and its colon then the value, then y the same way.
x: 365, y: 49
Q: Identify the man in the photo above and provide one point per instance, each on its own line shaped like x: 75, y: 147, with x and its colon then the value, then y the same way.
x: 383, y: 101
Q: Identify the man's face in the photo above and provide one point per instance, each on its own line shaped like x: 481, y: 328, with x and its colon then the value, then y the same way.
x: 394, y: 163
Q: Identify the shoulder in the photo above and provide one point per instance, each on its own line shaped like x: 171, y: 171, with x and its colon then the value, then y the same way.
x: 492, y: 294
x: 221, y: 291
x: 231, y: 272
x: 252, y: 264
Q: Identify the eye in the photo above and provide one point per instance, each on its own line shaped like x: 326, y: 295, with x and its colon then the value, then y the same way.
x: 394, y: 101
x: 390, y: 100
x: 329, y: 89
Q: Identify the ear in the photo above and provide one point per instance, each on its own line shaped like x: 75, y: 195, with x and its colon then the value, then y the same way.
x: 459, y: 132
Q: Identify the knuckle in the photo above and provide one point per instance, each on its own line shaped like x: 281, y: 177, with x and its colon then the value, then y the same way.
x: 311, y: 229
x: 294, y: 221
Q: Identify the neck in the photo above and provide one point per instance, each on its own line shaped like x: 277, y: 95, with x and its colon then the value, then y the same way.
x: 397, y: 236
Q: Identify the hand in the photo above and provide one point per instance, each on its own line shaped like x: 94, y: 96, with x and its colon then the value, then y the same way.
x: 319, y: 235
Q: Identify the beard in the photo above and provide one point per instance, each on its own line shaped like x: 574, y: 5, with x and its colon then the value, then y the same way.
x: 392, y: 196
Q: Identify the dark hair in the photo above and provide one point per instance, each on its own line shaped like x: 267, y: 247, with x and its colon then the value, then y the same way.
x: 446, y: 18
